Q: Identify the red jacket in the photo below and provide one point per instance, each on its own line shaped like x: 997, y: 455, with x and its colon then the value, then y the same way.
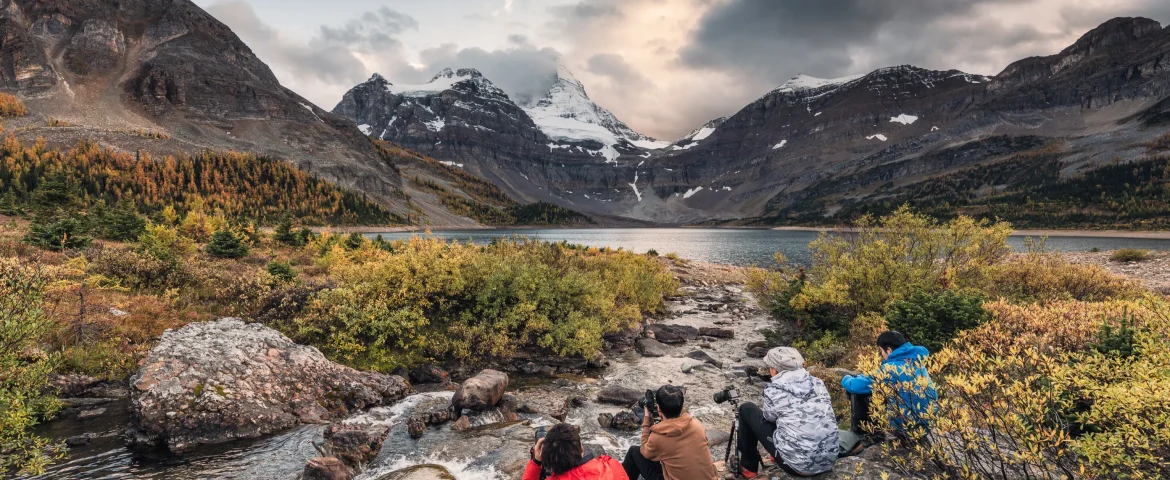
x: 600, y: 468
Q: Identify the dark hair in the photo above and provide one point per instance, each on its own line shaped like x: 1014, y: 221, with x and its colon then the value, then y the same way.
x: 891, y: 340
x: 562, y: 449
x: 670, y: 400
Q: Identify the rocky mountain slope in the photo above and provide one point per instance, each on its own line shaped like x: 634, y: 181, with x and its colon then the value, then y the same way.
x: 126, y: 72
x: 811, y: 148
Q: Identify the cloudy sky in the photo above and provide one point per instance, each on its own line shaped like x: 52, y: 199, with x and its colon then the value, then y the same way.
x: 662, y: 66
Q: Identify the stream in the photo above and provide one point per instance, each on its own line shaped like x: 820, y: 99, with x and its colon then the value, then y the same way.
x: 490, y: 449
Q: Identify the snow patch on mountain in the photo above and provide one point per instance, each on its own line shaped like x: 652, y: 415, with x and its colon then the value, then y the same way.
x: 780, y: 145
x: 690, y: 193
x: 877, y: 136
x: 435, y: 125
x: 904, y: 119
x: 805, y: 82
x: 686, y: 147
x: 702, y: 134
x: 366, y: 129
x: 634, y: 186
x: 452, y: 164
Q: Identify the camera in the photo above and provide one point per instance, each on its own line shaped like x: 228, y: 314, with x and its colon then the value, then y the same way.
x: 648, y: 402
x: 541, y: 432
x: 728, y: 394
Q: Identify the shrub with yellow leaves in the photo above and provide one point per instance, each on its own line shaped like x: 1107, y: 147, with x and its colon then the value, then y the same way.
x: 408, y: 301
x: 1029, y: 396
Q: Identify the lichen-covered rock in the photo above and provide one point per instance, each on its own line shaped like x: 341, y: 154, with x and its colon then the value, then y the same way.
x: 619, y: 395
x: 355, y: 445
x: 214, y: 382
x: 326, y: 468
x: 481, y: 392
x: 549, y: 401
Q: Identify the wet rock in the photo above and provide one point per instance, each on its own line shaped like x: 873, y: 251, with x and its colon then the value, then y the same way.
x: 434, y: 411
x: 758, y: 352
x: 625, y: 421
x: 91, y: 413
x: 354, y: 445
x: 220, y: 381
x: 326, y: 468
x: 463, y: 423
x: 717, y: 332
x: 619, y: 395
x: 705, y: 358
x: 419, y: 472
x: 541, y: 400
x: 651, y: 348
x: 429, y: 374
x: 84, y: 386
x: 416, y: 427
x: 77, y: 441
x: 578, y: 401
x: 674, y: 334
x: 481, y: 392
x: 757, y: 344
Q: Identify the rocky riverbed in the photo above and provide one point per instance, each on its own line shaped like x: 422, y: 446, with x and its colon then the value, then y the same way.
x: 703, y: 343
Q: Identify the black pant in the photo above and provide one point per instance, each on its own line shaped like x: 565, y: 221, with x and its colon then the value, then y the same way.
x: 859, y: 413
x: 635, y: 464
x: 753, y: 430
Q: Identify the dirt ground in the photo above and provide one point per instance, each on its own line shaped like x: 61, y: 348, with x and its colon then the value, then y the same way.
x: 1153, y: 273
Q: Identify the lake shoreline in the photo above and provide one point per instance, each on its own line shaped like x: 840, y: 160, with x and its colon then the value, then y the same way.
x: 1146, y: 234
x: 1143, y: 234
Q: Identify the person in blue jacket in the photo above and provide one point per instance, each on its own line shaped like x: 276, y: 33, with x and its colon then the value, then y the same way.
x: 904, y: 370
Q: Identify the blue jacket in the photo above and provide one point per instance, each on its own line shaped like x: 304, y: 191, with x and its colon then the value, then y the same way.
x: 903, y: 368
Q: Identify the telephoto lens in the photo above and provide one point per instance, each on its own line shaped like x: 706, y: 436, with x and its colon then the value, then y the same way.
x: 728, y: 393
x: 649, y: 403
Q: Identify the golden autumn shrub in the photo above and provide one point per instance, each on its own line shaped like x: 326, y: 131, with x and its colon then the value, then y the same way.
x: 10, y: 106
x: 1029, y: 395
x: 1041, y: 276
x: 426, y: 298
x: 880, y: 261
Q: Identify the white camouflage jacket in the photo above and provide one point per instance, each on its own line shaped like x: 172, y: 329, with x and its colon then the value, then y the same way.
x: 806, y: 428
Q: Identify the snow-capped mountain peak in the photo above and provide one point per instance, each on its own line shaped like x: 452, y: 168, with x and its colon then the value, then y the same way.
x: 446, y: 79
x: 567, y: 114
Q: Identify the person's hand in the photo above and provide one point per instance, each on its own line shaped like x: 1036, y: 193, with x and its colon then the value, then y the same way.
x: 537, y: 449
x: 646, y: 418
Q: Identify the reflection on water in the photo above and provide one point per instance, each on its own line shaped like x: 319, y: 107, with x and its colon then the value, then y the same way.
x: 734, y: 246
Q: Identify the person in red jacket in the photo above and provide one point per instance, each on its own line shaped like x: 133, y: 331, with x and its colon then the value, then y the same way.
x: 561, y: 455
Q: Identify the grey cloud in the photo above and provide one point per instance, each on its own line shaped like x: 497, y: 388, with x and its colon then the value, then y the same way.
x: 328, y: 57
x: 518, y: 39
x: 779, y: 39
x: 616, y: 68
x: 526, y: 73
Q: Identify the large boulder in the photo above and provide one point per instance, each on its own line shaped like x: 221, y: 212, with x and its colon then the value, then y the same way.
x: 219, y: 381
x: 674, y: 334
x: 619, y: 395
x: 481, y: 392
x: 651, y: 348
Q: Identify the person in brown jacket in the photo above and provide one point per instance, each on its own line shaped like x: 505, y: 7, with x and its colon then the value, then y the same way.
x: 673, y: 449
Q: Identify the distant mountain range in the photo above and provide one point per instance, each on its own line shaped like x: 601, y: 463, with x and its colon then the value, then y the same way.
x: 810, y: 151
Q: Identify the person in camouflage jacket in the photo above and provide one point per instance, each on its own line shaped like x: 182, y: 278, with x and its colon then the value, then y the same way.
x: 796, y: 425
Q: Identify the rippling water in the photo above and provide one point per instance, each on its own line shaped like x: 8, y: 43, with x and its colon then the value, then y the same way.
x: 734, y: 246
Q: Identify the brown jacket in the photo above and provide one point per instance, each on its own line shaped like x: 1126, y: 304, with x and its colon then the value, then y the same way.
x: 680, y: 444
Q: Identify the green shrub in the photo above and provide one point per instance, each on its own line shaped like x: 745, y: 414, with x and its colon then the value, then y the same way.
x: 1129, y: 255
x: 354, y: 241
x: 61, y: 233
x: 138, y: 270
x: 121, y: 223
x: 24, y: 370
x: 226, y: 244
x: 164, y: 243
x: 426, y: 298
x: 931, y: 319
x: 652, y: 252
x: 285, y: 234
x: 283, y: 271
x: 879, y: 262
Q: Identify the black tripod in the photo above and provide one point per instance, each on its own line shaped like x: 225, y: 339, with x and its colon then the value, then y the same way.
x: 729, y: 460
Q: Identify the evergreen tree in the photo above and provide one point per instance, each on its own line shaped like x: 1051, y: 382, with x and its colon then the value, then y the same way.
x: 304, y: 235
x: 354, y: 241
x: 121, y: 222
x: 226, y: 244
x: 9, y: 204
x: 284, y: 232
x: 57, y: 233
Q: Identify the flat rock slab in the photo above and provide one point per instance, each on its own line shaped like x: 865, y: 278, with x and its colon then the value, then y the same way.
x: 220, y: 381
x: 674, y: 334
x: 651, y: 348
x: 619, y: 395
